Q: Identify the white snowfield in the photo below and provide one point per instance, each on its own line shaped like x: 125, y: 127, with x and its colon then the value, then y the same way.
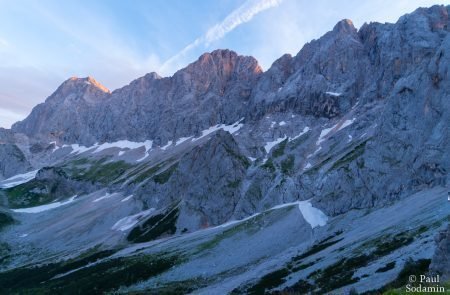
x: 269, y: 145
x: 127, y: 198
x: 182, y: 139
x: 346, y: 123
x: 125, y: 144
x: 106, y: 196
x: 306, y: 129
x: 167, y: 145
x: 96, y: 148
x: 148, y: 144
x: 333, y: 93
x: 312, y: 215
x: 230, y: 128
x: 18, y: 179
x: 43, y: 208
x: 128, y: 222
x: 326, y: 131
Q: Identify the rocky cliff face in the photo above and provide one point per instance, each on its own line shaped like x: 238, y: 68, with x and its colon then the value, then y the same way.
x: 441, y: 260
x: 212, y: 90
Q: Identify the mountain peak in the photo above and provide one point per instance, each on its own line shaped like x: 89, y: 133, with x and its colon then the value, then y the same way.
x: 345, y: 26
x: 225, y: 60
x: 84, y: 83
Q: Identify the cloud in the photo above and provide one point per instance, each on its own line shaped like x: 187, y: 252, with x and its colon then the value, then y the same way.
x: 8, y: 117
x: 240, y: 15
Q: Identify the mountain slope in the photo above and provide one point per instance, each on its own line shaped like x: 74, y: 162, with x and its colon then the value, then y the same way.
x: 327, y: 172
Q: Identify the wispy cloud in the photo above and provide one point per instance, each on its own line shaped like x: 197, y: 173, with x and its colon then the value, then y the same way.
x: 8, y: 117
x: 240, y: 15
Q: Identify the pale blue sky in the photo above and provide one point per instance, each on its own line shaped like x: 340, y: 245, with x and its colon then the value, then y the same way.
x: 43, y: 42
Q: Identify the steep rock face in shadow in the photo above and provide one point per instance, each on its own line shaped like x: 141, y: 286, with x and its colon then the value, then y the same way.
x: 205, y: 183
x: 441, y: 259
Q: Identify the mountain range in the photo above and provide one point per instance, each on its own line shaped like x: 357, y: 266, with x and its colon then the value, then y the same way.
x: 327, y: 173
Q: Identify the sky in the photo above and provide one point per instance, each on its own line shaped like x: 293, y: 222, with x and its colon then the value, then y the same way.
x: 44, y: 42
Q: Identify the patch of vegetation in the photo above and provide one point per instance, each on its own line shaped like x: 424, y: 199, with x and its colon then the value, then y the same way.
x: 143, y: 175
x: 164, y: 176
x: 411, y: 267
x: 340, y: 273
x: 398, y: 241
x: 277, y: 277
x: 269, y: 281
x: 278, y: 151
x: 302, y: 266
x: 98, y: 278
x: 29, y: 194
x: 155, y: 227
x: 244, y: 160
x: 287, y: 165
x: 5, y: 250
x: 387, y: 267
x: 234, y: 184
x: 177, y: 287
x: 5, y: 220
x: 316, y: 248
x: 298, y: 141
x: 301, y: 287
x: 350, y: 156
x: 318, y: 166
x: 269, y: 166
x: 101, y: 172
x: 249, y: 227
x: 386, y: 244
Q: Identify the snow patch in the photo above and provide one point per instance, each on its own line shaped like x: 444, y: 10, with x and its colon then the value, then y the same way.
x: 312, y: 215
x: 128, y: 222
x: 272, y: 124
x: 169, y: 143
x: 324, y: 133
x: 42, y: 208
x: 282, y: 123
x: 252, y: 159
x: 181, y: 140
x: 79, y: 149
x: 307, y: 166
x: 230, y: 128
x: 124, y: 144
x: 56, y: 146
x: 18, y: 179
x: 23, y: 236
x: 333, y: 93
x: 127, y: 198
x: 106, y: 196
x: 306, y: 129
x: 271, y: 144
x: 346, y: 123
